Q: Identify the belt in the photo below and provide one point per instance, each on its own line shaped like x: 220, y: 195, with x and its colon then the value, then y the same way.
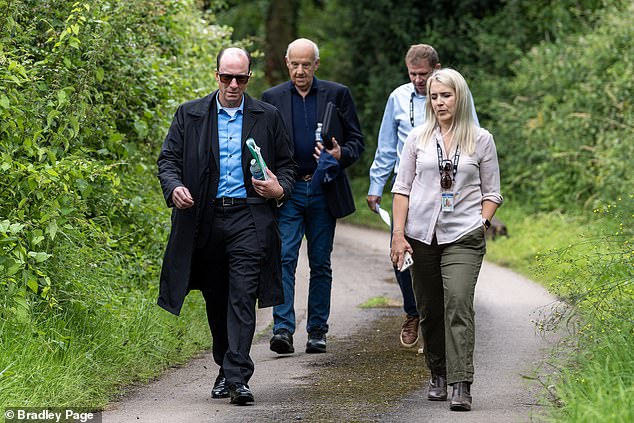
x: 305, y: 178
x: 233, y: 201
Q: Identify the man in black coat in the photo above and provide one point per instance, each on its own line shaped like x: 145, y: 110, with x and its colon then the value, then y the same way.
x: 316, y: 202
x: 224, y: 239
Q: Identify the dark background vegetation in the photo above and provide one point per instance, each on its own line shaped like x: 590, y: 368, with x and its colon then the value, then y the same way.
x: 87, y: 90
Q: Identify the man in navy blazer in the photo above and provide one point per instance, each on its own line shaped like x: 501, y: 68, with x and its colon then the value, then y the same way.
x: 316, y: 203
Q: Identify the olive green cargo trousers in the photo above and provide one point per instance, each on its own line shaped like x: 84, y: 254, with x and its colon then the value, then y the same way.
x: 444, y: 279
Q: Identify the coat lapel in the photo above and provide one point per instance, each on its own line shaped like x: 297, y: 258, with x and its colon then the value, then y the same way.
x: 321, y: 101
x: 206, y: 134
x: 286, y: 108
x: 249, y: 119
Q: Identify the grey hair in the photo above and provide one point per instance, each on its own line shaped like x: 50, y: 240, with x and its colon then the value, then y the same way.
x: 303, y: 40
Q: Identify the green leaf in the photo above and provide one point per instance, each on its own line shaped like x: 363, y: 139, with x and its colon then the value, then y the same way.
x: 52, y: 115
x: 15, y: 228
x: 52, y: 228
x: 32, y: 285
x: 39, y: 256
x: 36, y: 240
x: 4, y: 101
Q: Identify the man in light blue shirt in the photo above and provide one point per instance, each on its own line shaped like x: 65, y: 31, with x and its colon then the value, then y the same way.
x: 231, y: 182
x: 224, y: 239
x: 405, y: 109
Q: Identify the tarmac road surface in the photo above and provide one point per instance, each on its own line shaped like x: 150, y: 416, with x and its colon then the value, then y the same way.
x: 507, y: 349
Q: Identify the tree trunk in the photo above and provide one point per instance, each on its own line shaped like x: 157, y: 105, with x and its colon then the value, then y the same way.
x: 281, y: 29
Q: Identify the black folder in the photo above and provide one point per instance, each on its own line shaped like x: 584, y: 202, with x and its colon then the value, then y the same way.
x: 332, y: 125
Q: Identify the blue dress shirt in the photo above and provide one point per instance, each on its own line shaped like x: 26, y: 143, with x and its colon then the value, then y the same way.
x: 231, y: 183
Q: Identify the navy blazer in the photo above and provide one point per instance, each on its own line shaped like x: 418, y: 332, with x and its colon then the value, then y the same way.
x: 338, y: 193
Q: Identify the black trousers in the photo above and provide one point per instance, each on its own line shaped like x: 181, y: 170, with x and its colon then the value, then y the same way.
x: 231, y: 260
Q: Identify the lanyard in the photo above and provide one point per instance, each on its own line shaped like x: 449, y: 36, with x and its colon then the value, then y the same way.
x: 411, y: 109
x: 456, y: 157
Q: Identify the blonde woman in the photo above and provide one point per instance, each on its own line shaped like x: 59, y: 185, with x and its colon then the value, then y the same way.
x: 445, y: 195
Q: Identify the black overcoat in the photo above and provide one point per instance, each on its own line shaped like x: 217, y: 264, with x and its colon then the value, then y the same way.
x: 189, y: 157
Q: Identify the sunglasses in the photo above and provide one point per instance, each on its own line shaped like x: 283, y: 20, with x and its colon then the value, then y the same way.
x: 226, y: 78
x: 446, y: 178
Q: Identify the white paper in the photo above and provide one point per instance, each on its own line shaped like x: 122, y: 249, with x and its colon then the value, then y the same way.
x: 385, y: 216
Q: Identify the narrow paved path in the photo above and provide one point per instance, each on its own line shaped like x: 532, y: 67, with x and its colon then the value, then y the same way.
x: 507, y: 348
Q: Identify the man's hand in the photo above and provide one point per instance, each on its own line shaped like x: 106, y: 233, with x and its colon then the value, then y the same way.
x: 335, y: 151
x: 182, y: 198
x: 373, y: 201
x: 270, y: 188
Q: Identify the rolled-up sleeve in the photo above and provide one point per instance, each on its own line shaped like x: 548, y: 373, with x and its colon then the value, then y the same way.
x: 407, y: 168
x: 490, y: 171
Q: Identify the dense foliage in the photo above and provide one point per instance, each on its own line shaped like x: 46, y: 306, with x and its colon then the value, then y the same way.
x: 566, y: 132
x: 87, y: 90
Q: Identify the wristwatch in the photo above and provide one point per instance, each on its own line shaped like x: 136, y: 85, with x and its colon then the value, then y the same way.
x: 486, y: 222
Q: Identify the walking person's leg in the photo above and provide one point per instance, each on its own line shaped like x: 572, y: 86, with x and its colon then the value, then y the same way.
x: 410, y: 328
x: 428, y: 290
x: 461, y: 263
x: 291, y: 225
x: 320, y: 233
x: 245, y: 258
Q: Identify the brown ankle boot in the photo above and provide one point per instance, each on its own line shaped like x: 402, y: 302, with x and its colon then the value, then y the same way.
x: 437, y: 388
x: 461, y: 397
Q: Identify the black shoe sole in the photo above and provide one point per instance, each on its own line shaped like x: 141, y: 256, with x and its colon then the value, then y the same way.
x: 315, y: 350
x: 460, y: 407
x: 436, y: 398
x: 282, y: 347
x: 242, y: 400
x: 223, y: 395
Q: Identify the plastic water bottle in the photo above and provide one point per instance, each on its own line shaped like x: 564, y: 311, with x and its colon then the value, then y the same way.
x: 318, y: 133
x: 256, y: 171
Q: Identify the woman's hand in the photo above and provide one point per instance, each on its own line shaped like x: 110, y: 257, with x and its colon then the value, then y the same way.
x: 399, y: 246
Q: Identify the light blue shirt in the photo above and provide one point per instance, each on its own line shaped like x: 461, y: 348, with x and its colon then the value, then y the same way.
x: 395, y: 127
x: 231, y: 183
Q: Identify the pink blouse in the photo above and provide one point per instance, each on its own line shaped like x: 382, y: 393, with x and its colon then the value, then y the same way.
x: 477, y: 179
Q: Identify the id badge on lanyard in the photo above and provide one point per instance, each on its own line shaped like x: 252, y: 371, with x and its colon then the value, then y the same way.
x: 447, y: 201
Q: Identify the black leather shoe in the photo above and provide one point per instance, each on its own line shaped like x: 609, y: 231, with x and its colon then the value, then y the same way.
x: 240, y: 394
x: 220, y: 389
x: 282, y: 342
x: 461, y: 397
x: 316, y: 342
x: 437, y: 388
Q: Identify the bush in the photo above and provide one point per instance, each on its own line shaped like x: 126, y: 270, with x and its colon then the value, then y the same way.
x: 565, y: 135
x: 87, y: 90
x: 595, y: 279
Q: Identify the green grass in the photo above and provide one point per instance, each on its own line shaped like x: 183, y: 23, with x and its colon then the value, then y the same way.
x: 84, y: 357
x: 380, y: 302
x: 107, y: 333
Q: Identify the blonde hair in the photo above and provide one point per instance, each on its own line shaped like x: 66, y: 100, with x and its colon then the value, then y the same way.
x: 464, y: 127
